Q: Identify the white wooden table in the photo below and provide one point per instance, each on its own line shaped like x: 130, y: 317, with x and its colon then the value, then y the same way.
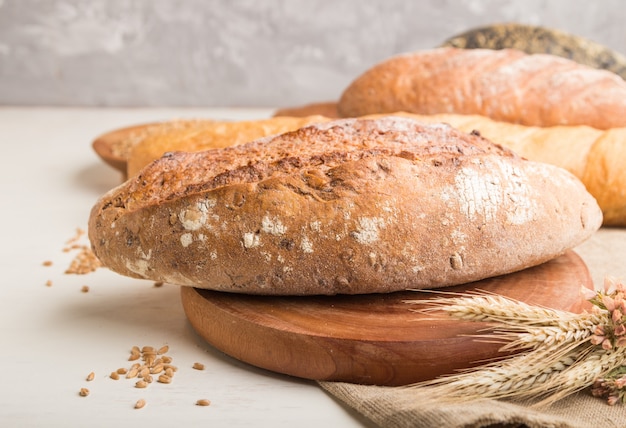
x: 52, y: 337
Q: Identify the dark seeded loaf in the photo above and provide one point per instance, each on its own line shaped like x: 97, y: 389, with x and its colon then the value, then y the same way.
x: 350, y: 206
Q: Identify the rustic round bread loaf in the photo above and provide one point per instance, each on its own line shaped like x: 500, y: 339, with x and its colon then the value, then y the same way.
x: 349, y: 206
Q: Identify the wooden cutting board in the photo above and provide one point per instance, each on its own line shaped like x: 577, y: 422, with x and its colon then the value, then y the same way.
x: 370, y: 339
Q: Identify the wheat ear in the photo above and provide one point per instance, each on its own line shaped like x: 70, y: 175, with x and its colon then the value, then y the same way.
x: 559, y: 353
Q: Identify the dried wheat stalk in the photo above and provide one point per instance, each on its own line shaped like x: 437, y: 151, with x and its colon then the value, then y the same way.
x: 559, y: 352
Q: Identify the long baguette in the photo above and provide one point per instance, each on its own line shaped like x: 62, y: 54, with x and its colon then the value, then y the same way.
x: 349, y: 206
x: 506, y: 85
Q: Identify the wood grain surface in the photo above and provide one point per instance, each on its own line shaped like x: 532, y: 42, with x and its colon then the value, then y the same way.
x: 370, y: 339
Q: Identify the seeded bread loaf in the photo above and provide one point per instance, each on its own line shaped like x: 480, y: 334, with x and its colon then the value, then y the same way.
x: 535, y: 39
x: 348, y: 206
x: 506, y: 85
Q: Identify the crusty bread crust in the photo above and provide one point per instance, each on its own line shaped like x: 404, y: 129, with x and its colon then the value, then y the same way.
x: 506, y: 85
x: 349, y: 206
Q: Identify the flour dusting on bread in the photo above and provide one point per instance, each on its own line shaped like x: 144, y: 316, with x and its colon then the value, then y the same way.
x: 345, y: 207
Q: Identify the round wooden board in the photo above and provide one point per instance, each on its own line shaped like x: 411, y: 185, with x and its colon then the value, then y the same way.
x: 370, y: 339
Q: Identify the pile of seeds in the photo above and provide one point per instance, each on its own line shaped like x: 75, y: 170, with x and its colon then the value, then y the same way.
x: 154, y: 364
x: 85, y: 261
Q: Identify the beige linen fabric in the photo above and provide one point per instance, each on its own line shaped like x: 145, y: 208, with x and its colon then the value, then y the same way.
x: 389, y: 407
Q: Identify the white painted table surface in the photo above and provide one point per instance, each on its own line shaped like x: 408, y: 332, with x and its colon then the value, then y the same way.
x: 52, y: 337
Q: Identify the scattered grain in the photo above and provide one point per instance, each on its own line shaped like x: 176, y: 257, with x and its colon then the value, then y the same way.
x: 198, y: 366
x: 203, y: 402
x: 140, y: 403
x: 83, y: 392
x: 85, y: 262
x: 85, y: 289
x: 164, y: 379
x: 157, y: 369
x: 49, y: 283
x: 79, y: 234
x: 158, y: 284
x: 71, y: 247
x: 90, y: 376
x: 150, y: 365
x: 47, y: 263
x: 132, y: 373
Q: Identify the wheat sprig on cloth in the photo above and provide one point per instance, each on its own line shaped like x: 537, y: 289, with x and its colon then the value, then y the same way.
x: 557, y: 352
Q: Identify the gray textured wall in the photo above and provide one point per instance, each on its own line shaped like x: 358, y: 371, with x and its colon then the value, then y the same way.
x: 242, y: 52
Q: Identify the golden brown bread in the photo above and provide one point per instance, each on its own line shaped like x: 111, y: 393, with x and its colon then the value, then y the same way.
x: 349, y: 206
x: 605, y: 175
x: 506, y: 85
x: 595, y: 156
x: 197, y: 135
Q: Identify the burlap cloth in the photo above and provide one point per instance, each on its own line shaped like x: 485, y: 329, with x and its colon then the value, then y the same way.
x: 604, y: 254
